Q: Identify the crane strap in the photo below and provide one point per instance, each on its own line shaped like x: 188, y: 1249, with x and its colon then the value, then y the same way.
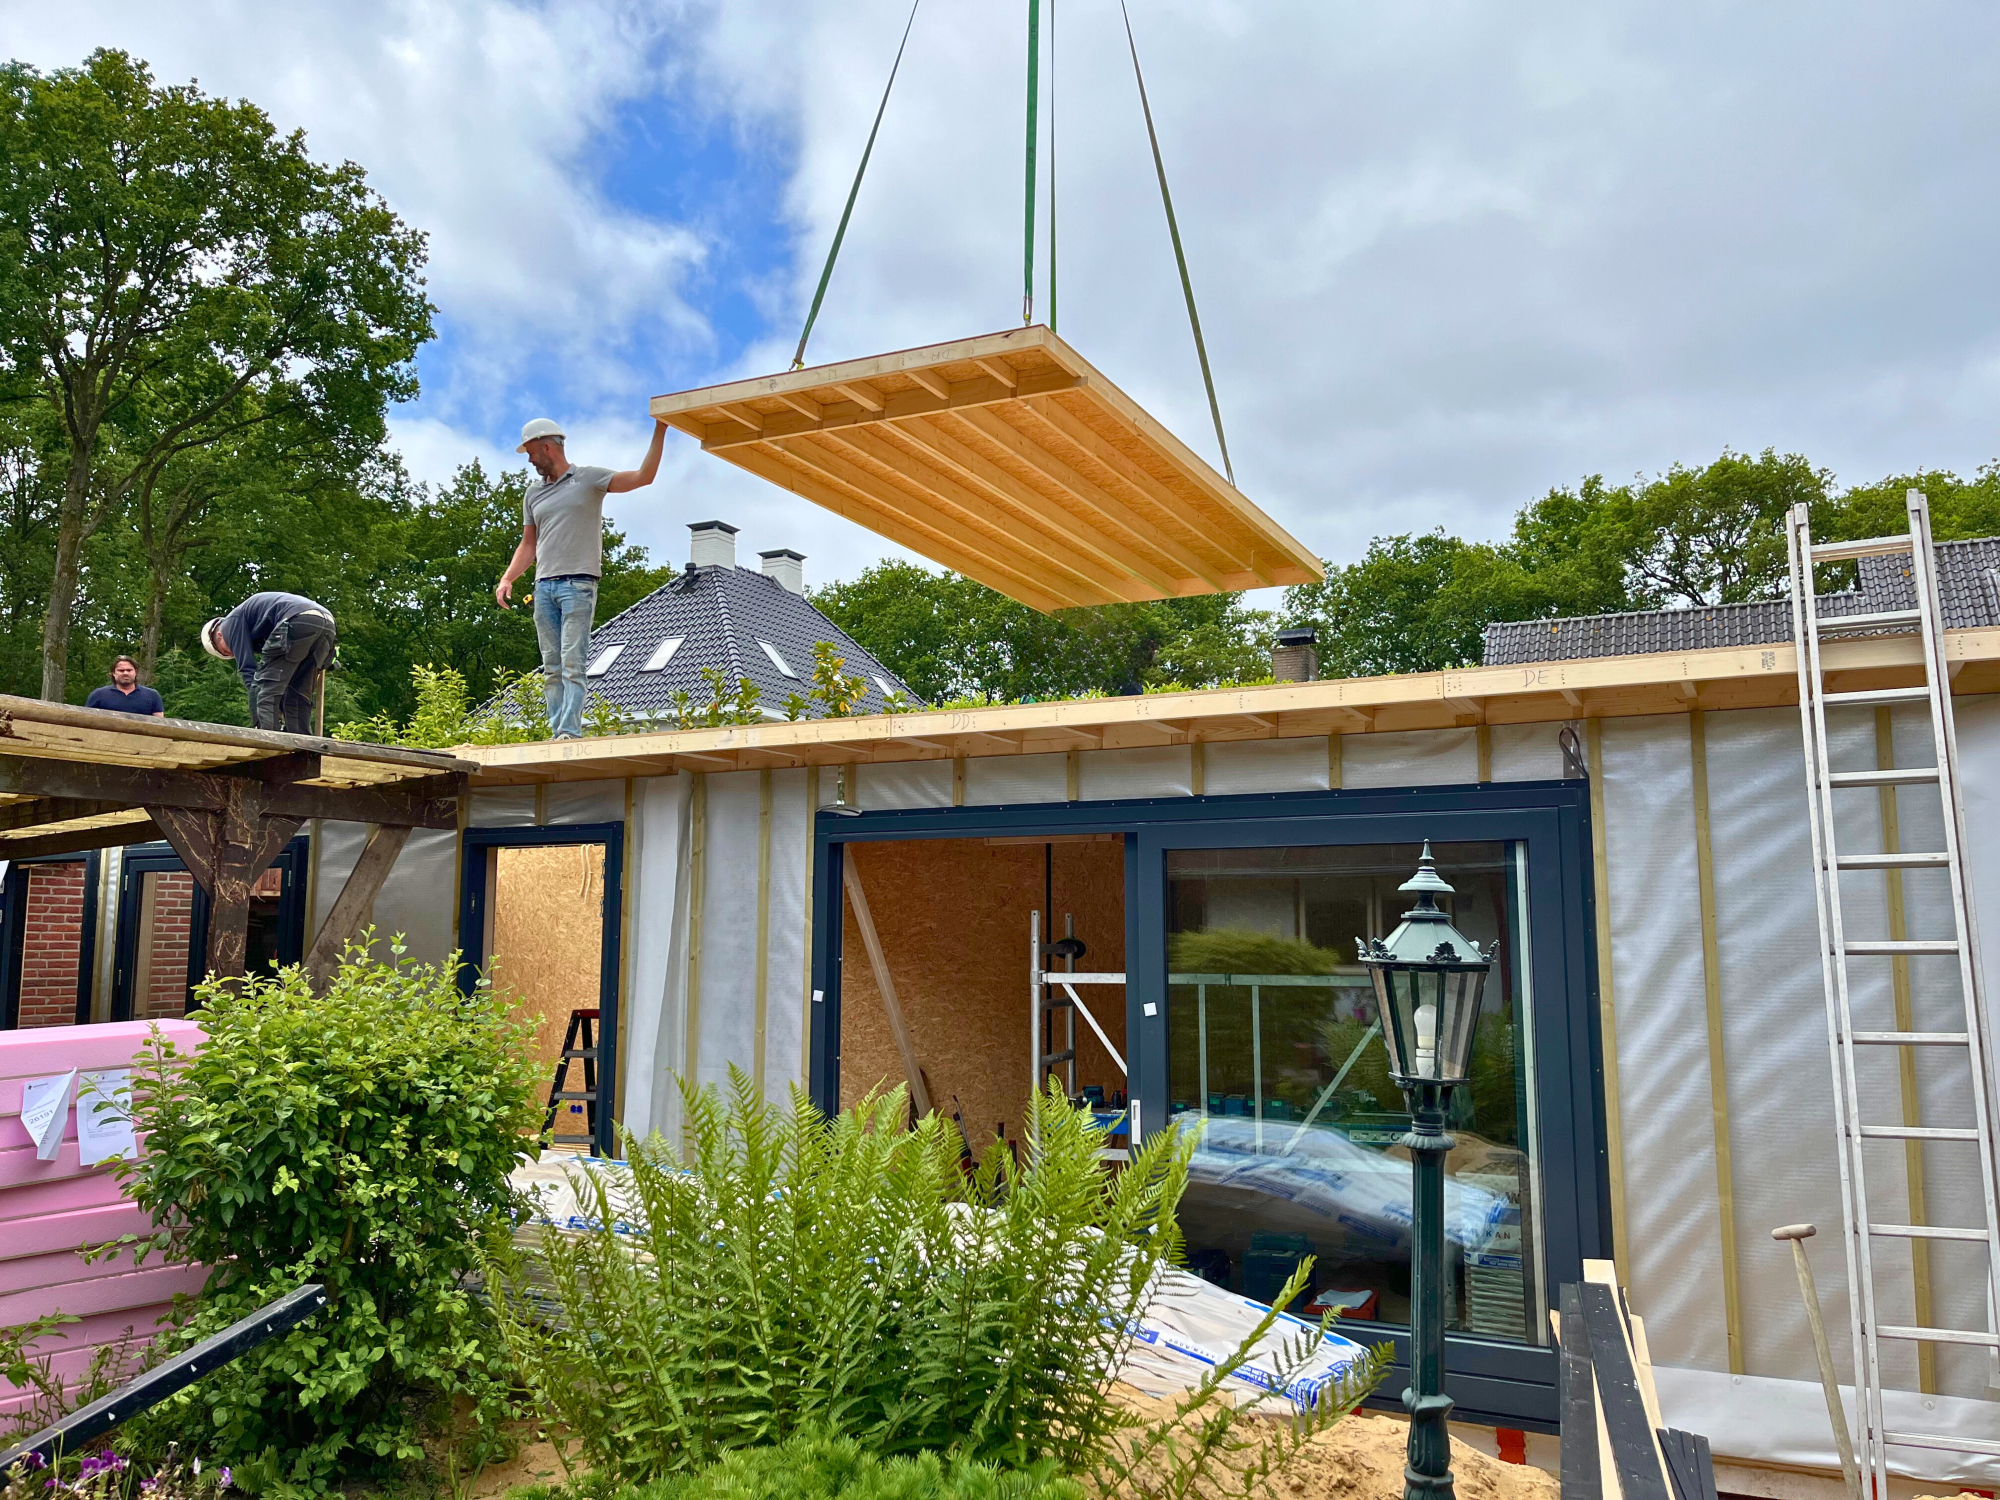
x: 1180, y: 256
x: 826, y: 275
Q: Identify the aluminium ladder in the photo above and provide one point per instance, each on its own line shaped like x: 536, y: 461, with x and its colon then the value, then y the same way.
x: 1973, y: 1045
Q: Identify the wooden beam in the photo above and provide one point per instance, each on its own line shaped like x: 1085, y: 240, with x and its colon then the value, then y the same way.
x: 932, y: 383
x: 1068, y: 527
x: 280, y: 770
x: 748, y: 416
x: 708, y: 762
x: 804, y: 405
x: 1143, y: 529
x: 140, y: 829
x: 920, y: 1096
x: 36, y: 811
x: 1030, y: 589
x: 1047, y: 555
x: 862, y: 395
x: 984, y: 553
x: 41, y: 776
x: 1001, y: 371
x: 364, y: 883
x: 20, y: 715
x: 726, y: 436
x: 426, y: 802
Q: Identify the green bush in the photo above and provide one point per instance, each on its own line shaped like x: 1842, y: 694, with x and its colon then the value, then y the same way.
x: 813, y: 1466
x: 362, y: 1139
x: 797, y: 1272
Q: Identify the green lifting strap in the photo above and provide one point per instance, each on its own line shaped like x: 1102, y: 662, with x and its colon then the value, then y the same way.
x: 825, y: 276
x: 1180, y: 257
x: 1052, y: 166
x: 1034, y: 96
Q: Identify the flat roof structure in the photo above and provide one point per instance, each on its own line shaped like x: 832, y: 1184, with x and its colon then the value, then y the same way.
x: 1007, y: 458
x: 227, y: 799
x: 1753, y: 676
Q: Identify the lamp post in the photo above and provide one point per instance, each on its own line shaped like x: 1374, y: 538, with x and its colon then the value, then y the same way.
x: 1428, y: 981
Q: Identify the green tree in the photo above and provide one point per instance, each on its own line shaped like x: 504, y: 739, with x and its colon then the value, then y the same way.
x: 163, y: 257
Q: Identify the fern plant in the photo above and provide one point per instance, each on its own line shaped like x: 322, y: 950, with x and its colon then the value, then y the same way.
x: 796, y: 1271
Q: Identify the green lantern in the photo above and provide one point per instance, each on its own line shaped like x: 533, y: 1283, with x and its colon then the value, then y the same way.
x: 1429, y: 979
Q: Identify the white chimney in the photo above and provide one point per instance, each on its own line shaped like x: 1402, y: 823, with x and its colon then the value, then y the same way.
x: 714, y: 545
x: 787, y: 567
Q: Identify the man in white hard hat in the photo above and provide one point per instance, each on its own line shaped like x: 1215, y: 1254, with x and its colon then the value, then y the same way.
x: 562, y: 534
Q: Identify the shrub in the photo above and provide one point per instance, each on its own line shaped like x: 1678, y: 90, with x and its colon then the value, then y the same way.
x: 814, y: 1466
x: 362, y: 1139
x: 844, y: 1273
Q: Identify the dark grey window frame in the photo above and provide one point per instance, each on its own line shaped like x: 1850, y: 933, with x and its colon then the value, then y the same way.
x: 1492, y: 1381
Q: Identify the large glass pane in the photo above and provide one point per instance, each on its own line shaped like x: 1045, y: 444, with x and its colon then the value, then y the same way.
x: 1275, y: 1056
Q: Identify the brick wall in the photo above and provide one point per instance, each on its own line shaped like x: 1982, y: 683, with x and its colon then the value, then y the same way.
x: 52, y: 944
x: 165, y: 965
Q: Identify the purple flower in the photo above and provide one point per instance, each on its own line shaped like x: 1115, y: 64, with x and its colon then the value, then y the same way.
x: 106, y: 1462
x: 224, y: 1479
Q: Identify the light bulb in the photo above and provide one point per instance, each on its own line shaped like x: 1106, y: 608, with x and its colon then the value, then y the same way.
x: 1427, y: 1026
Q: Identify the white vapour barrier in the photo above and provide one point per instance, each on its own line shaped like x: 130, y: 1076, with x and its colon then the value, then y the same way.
x: 1427, y: 757
x: 1778, y: 1087
x: 1015, y: 779
x: 1138, y: 771
x: 653, y: 1020
x: 583, y: 802
x: 503, y: 807
x: 725, y: 1007
x: 1526, y: 752
x: 416, y: 900
x: 1237, y: 767
x: 788, y: 981
x: 908, y: 783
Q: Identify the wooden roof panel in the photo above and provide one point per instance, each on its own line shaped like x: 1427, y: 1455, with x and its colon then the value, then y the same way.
x: 1005, y: 457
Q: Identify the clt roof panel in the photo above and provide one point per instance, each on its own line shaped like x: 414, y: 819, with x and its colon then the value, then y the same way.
x: 1007, y: 458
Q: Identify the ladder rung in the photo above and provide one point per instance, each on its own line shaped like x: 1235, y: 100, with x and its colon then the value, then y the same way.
x: 1904, y: 948
x: 1952, y: 1444
x: 1901, y: 776
x: 588, y: 1095
x: 1926, y: 1232
x: 1908, y: 1038
x: 1918, y: 1133
x: 581, y: 1052
x: 1869, y: 546
x: 1927, y: 860
x: 1050, y: 1059
x: 1939, y: 1336
x: 1876, y: 697
x: 1884, y: 619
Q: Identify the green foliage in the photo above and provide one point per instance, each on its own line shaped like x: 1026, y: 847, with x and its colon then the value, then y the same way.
x: 517, y: 713
x: 796, y: 1272
x: 833, y: 693
x: 816, y: 1466
x: 51, y: 1397
x: 951, y: 639
x: 360, y: 1138
x: 738, y: 702
x: 1237, y: 950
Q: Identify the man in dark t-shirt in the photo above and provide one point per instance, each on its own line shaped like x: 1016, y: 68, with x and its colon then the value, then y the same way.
x: 281, y: 644
x: 123, y: 695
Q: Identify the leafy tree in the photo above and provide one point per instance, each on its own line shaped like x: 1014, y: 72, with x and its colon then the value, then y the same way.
x: 172, y: 272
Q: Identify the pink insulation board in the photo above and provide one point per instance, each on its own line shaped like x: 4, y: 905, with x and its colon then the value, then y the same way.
x: 49, y: 1210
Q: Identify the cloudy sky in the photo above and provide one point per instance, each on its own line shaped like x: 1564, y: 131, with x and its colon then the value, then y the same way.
x: 1448, y: 254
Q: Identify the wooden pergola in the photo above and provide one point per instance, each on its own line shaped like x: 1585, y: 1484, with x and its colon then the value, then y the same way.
x: 228, y: 800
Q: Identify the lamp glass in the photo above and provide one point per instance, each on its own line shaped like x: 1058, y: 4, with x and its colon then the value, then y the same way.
x: 1429, y: 980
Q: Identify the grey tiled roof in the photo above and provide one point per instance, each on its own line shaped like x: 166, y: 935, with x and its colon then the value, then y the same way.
x: 723, y: 617
x: 1969, y: 597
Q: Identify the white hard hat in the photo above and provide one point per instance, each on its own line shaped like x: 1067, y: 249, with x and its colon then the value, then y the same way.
x: 209, y: 636
x: 541, y: 427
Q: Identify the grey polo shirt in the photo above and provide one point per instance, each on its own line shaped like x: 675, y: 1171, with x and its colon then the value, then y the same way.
x: 568, y: 517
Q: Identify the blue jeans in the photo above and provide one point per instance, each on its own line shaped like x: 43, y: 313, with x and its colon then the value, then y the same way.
x: 563, y: 611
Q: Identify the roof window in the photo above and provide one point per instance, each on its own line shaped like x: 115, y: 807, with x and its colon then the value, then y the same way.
x: 663, y: 653
x: 888, y: 691
x: 778, y: 661
x: 601, y: 663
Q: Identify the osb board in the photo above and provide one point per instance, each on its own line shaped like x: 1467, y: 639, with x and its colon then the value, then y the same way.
x: 1006, y: 458
x: 952, y: 915
x: 548, y: 939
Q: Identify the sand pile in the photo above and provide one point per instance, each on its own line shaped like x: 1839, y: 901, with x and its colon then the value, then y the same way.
x: 1361, y: 1458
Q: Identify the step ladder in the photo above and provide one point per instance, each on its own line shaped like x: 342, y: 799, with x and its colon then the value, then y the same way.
x: 1971, y: 1047
x: 1044, y: 1005
x: 579, y: 1045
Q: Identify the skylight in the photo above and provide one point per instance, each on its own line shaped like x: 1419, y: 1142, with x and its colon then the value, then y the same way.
x: 888, y: 692
x: 663, y: 653
x: 776, y: 660
x: 601, y: 663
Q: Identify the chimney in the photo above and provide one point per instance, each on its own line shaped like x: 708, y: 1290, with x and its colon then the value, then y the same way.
x: 714, y: 545
x: 1295, y: 657
x: 787, y: 567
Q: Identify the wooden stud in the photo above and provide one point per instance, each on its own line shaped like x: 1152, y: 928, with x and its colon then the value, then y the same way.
x: 1001, y: 371
x: 1484, y: 737
x: 697, y: 889
x: 541, y: 804
x: 804, y: 405
x: 1607, y: 1009
x: 920, y: 1096
x: 1074, y: 765
x: 1718, y: 1076
x: 1333, y: 748
x: 1906, y: 1057
x: 1570, y: 696
x: 933, y: 383
x: 762, y: 989
x: 749, y: 417
x: 351, y: 906
x: 1198, y: 767
x: 958, y: 781
x: 862, y: 395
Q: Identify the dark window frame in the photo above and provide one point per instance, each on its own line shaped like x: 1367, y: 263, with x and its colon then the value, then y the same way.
x: 1506, y: 1384
x: 142, y: 859
x: 475, y: 899
x: 14, y: 932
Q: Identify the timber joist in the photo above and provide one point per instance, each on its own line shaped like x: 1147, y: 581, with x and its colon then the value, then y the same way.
x: 1550, y: 692
x: 1006, y: 458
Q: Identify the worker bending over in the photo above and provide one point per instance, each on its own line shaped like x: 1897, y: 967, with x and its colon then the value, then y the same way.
x: 281, y: 644
x: 562, y: 534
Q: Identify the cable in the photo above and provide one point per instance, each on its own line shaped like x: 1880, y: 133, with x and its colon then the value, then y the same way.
x: 1034, y: 97
x: 1180, y: 258
x: 1052, y: 166
x: 825, y: 276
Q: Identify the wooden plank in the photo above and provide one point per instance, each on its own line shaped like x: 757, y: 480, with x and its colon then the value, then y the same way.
x: 920, y: 1095
x: 125, y: 785
x: 1024, y: 586
x: 845, y: 409
x: 350, y: 907
x: 1577, y: 1399
x: 1637, y: 1465
x: 31, y: 812
x: 130, y: 827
